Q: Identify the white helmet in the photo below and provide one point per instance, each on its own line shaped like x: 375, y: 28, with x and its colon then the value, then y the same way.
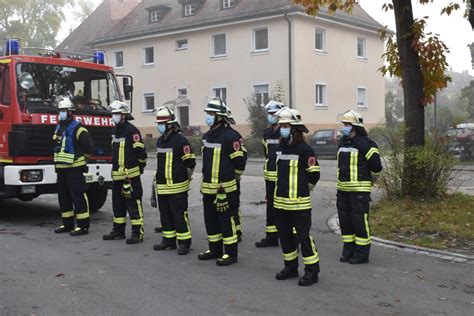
x: 119, y: 107
x: 292, y: 117
x: 352, y: 117
x: 273, y: 106
x: 165, y: 115
x: 66, y: 104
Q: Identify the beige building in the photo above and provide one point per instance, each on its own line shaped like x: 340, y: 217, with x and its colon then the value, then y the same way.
x: 236, y: 48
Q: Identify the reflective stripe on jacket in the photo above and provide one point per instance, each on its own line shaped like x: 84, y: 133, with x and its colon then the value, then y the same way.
x: 270, y: 142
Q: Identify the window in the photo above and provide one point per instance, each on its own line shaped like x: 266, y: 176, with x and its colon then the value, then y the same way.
x: 362, y: 97
x: 148, y: 102
x: 5, y: 92
x: 118, y: 59
x: 260, y: 39
x: 320, y: 99
x: 361, y: 49
x: 320, y: 40
x: 183, y: 116
x: 228, y: 3
x: 182, y: 44
x: 183, y: 92
x: 148, y: 55
x: 189, y: 9
x: 219, y: 45
x: 154, y: 16
x: 220, y: 93
x: 261, y: 94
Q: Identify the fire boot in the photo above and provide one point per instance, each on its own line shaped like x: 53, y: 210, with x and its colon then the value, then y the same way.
x: 347, y: 251
x: 166, y: 244
x: 268, y: 241
x: 288, y: 272
x: 134, y: 239
x: 63, y: 229
x: 309, y: 278
x: 114, y: 235
x: 78, y: 231
x: 226, y: 260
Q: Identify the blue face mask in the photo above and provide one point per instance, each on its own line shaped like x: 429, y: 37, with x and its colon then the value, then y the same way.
x: 272, y: 119
x: 210, y: 119
x: 62, y: 115
x: 162, y: 129
x: 346, y: 130
x: 285, y: 132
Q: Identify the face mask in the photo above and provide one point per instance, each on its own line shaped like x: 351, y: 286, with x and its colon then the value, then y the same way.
x: 162, y: 129
x: 210, y: 119
x: 116, y: 118
x: 62, y: 115
x: 285, y: 132
x: 346, y: 130
x: 272, y: 119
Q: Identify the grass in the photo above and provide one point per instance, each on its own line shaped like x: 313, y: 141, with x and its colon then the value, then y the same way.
x: 445, y: 224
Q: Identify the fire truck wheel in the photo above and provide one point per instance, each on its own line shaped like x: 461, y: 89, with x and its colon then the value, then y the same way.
x: 97, y: 195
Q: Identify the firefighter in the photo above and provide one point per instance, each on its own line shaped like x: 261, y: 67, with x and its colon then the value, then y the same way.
x: 270, y: 141
x: 359, y: 165
x: 223, y: 163
x: 175, y: 167
x: 297, y: 174
x: 73, y: 146
x: 128, y: 162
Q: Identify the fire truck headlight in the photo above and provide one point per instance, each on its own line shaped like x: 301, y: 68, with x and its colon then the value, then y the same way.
x: 26, y: 81
x: 31, y: 175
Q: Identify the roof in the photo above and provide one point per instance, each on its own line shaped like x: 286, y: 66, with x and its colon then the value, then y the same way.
x: 210, y: 12
x: 107, y: 15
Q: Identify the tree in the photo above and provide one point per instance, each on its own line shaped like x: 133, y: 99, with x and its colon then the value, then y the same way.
x: 468, y: 94
x: 278, y: 93
x: 393, y: 110
x: 418, y: 58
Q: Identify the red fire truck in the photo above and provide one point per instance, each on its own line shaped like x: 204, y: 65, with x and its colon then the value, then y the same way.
x: 30, y: 86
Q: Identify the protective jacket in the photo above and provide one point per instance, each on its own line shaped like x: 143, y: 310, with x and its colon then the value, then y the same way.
x: 296, y: 168
x: 358, y: 159
x: 73, y: 145
x: 223, y: 157
x: 270, y: 141
x: 128, y: 152
x: 174, y: 158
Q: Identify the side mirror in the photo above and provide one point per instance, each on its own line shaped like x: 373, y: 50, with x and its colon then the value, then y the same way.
x: 127, y: 89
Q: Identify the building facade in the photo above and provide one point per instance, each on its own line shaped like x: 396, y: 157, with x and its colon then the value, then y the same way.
x: 234, y: 49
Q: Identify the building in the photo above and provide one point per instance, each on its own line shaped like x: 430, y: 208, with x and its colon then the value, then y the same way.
x: 235, y: 48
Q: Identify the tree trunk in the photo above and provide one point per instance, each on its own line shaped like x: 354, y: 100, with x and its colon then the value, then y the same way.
x: 412, y: 81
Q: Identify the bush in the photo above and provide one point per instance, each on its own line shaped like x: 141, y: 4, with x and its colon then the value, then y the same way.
x: 254, y: 147
x: 196, y: 144
x: 150, y: 143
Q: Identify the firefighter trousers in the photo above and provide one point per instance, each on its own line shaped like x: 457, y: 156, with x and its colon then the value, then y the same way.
x: 132, y: 204
x: 220, y: 226
x: 353, y: 211
x: 73, y: 198
x: 238, y: 223
x: 301, y: 220
x: 270, y: 229
x: 174, y: 217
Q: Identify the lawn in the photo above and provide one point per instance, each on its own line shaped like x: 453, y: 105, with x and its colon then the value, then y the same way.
x: 446, y: 224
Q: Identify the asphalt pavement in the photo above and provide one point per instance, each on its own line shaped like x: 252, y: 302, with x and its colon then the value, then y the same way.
x: 42, y: 273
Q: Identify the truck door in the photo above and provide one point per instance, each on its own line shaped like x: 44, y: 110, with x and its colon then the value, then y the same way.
x: 5, y: 110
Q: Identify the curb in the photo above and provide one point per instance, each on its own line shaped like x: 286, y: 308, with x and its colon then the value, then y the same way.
x: 333, y: 224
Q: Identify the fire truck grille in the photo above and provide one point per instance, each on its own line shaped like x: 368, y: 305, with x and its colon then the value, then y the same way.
x: 37, y: 140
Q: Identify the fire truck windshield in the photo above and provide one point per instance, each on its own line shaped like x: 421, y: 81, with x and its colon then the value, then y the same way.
x: 40, y: 86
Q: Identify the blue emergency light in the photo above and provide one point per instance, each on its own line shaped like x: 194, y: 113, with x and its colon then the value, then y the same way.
x: 12, y: 46
x: 99, y: 57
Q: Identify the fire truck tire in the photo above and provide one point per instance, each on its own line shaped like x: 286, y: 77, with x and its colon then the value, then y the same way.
x: 97, y: 195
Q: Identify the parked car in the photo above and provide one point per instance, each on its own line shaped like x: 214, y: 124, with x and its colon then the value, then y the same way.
x: 462, y: 141
x: 324, y: 141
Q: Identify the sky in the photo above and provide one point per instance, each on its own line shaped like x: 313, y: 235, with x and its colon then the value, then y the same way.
x: 455, y: 31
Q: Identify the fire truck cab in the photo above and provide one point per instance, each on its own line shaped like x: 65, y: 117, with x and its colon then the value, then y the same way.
x: 30, y: 87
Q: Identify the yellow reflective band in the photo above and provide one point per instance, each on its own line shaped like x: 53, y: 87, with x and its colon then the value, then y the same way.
x: 293, y: 183
x: 211, y: 188
x: 137, y: 221
x: 376, y: 173
x: 230, y: 240
x: 363, y: 241
x: 371, y: 152
x: 366, y: 222
x: 234, y: 229
x: 271, y: 229
x: 79, y: 162
x: 124, y: 173
x: 288, y: 204
x: 290, y: 256
x: 354, y: 186
x: 353, y: 165
x: 80, y: 130
x: 186, y: 219
x: 311, y: 260
x: 238, y: 172
x: 294, y: 231
x: 169, y: 168
x: 216, y: 160
x: 121, y: 156
x: 138, y: 145
x: 169, y: 234
x: 140, y: 213
x: 313, y: 169
x: 236, y: 154
x: 215, y: 238
x: 82, y: 215
x: 67, y: 214
x: 188, y: 156
x: 173, y: 188
x: 142, y: 160
x: 270, y: 175
x: 120, y: 220
x: 183, y: 236
x: 348, y: 238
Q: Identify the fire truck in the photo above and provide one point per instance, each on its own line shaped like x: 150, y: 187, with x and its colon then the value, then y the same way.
x: 30, y: 87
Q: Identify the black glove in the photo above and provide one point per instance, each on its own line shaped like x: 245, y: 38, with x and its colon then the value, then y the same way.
x: 127, y: 190
x: 221, y: 202
x: 153, y: 201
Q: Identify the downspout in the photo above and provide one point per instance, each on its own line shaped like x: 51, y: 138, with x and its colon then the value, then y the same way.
x: 290, y: 69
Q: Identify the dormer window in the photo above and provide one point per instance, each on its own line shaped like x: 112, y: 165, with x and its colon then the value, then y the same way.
x: 154, y: 16
x: 228, y: 4
x: 189, y: 9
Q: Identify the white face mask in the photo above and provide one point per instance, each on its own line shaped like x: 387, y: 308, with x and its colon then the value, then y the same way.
x: 117, y: 118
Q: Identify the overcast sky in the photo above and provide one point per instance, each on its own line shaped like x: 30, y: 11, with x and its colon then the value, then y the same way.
x: 454, y: 30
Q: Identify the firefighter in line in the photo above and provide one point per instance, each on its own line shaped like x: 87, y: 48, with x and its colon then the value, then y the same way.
x: 359, y: 165
x: 270, y: 141
x: 128, y: 162
x: 174, y: 170
x: 73, y: 146
x: 297, y: 174
x: 223, y: 162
